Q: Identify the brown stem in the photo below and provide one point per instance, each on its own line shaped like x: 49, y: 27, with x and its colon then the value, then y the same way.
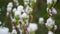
x: 25, y: 29
x: 31, y: 18
x: 53, y: 30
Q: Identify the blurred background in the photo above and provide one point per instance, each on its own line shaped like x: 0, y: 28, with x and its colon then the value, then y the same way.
x: 39, y: 11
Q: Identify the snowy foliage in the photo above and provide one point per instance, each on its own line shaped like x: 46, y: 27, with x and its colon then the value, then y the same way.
x: 55, y: 27
x: 9, y: 6
x: 32, y: 27
x: 41, y: 20
x: 50, y: 32
x: 49, y: 1
x: 28, y: 9
x: 54, y: 11
x: 24, y: 15
x: 4, y: 30
x: 26, y: 2
x: 14, y: 9
x: 50, y: 22
x: 14, y: 31
x: 16, y: 2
